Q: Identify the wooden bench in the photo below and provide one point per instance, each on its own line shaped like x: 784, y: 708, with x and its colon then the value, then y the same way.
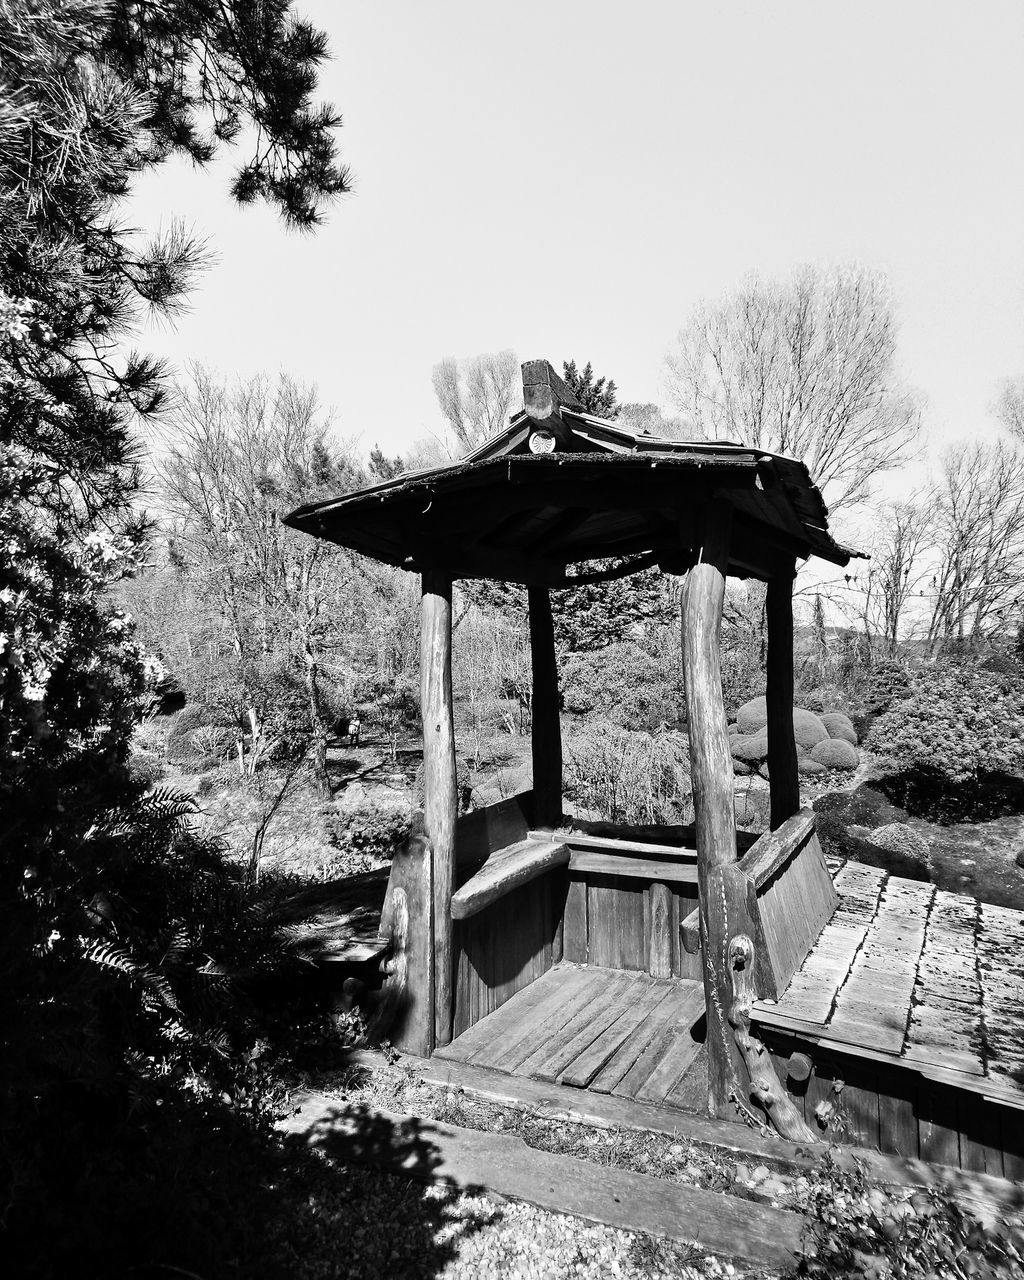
x: 507, y: 869
x: 794, y: 898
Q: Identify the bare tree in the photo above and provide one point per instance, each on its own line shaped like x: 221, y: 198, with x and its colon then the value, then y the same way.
x: 805, y: 368
x: 240, y: 457
x: 977, y: 506
x: 897, y: 570
x: 476, y: 395
x: 1010, y: 407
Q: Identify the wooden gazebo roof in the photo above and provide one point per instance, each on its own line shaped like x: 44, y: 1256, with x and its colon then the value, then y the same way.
x: 559, y: 487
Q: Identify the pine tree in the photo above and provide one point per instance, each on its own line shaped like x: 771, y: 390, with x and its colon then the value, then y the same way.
x: 597, y: 397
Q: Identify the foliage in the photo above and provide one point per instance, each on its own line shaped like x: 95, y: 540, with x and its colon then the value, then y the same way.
x: 368, y: 831
x: 596, y: 395
x: 590, y: 617
x: 622, y: 776
x: 127, y: 942
x: 960, y: 722
x: 860, y: 1232
x: 634, y: 684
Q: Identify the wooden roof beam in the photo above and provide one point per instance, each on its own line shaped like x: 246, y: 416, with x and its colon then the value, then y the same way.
x: 545, y: 395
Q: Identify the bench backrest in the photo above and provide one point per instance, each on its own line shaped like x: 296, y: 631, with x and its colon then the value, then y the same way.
x: 486, y: 830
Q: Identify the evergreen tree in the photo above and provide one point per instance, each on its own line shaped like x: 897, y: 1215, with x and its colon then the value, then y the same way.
x: 113, y: 913
x: 596, y: 396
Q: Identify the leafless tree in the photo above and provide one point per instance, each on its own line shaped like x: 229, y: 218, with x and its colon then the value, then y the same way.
x: 895, y: 575
x: 1010, y: 407
x: 977, y: 506
x: 476, y: 395
x: 239, y: 457
x: 806, y: 368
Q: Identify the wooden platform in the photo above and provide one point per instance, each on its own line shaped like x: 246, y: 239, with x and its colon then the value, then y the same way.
x: 911, y: 975
x: 607, y: 1030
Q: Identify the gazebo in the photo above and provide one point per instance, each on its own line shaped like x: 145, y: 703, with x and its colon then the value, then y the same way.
x: 603, y: 959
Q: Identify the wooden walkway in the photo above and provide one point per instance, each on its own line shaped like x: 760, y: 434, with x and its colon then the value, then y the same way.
x: 607, y: 1030
x: 909, y: 974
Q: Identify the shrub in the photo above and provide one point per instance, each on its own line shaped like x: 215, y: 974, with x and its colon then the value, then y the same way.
x: 808, y: 728
x: 369, y: 829
x: 628, y: 777
x: 839, y: 725
x: 860, y: 1232
x: 956, y: 727
x: 181, y: 744
x: 808, y: 765
x: 834, y: 753
x: 753, y: 715
x: 145, y: 768
x: 897, y: 837
x: 750, y: 748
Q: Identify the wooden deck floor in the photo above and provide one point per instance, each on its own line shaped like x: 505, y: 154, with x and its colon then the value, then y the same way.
x: 912, y: 974
x: 607, y: 1030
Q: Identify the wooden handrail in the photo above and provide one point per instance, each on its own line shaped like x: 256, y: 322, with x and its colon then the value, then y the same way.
x: 775, y: 848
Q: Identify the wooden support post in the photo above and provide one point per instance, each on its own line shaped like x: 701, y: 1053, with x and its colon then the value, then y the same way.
x: 721, y: 885
x: 547, y: 730
x: 440, y: 791
x: 783, y: 775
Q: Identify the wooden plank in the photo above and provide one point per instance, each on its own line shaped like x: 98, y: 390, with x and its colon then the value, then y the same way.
x: 534, y: 1033
x: 430, y: 1151
x: 615, y: 923
x: 776, y: 848
x: 633, y: 868
x: 440, y: 790
x: 574, y: 922
x: 659, y: 930
x: 609, y: 1003
x: 546, y: 730
x: 583, y: 1068
x: 626, y: 848
x: 504, y: 870
x: 679, y: 1048
x: 583, y: 1106
x: 783, y: 778
x: 478, y: 1036
x: 495, y: 826
x: 644, y: 1042
x: 938, y: 1134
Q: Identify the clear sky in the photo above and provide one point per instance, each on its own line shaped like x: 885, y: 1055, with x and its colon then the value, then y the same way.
x: 568, y: 179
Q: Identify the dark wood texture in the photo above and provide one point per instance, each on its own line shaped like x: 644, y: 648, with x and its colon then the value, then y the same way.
x: 546, y: 739
x: 504, y: 870
x: 783, y: 778
x: 440, y: 793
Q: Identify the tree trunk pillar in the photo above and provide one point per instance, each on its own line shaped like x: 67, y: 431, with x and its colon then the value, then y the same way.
x: 546, y: 735
x: 440, y: 789
x: 783, y: 774
x: 720, y: 884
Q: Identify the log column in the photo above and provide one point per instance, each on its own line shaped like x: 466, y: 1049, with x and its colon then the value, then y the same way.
x: 721, y: 886
x: 783, y: 774
x: 440, y: 790
x: 546, y: 735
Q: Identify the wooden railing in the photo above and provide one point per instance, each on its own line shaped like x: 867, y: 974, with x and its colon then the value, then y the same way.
x: 793, y: 898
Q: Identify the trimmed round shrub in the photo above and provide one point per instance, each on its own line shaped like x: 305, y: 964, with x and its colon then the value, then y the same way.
x: 897, y: 837
x: 753, y: 715
x: 840, y: 726
x: 181, y: 744
x: 749, y: 747
x: 834, y: 753
x: 808, y: 765
x: 808, y: 728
